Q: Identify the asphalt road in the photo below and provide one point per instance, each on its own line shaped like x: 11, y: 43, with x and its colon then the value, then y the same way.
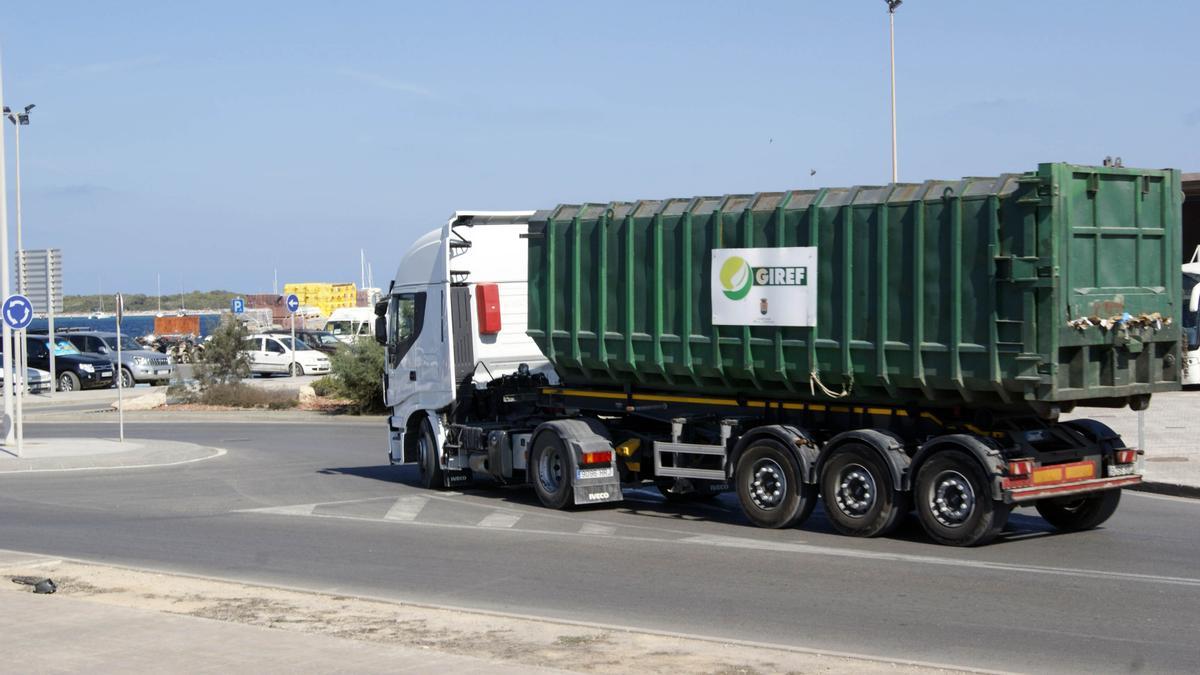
x: 313, y: 505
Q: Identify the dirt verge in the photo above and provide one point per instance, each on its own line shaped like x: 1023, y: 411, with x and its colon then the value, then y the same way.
x: 533, y: 642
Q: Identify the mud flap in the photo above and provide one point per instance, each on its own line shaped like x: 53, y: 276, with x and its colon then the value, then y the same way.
x: 456, y: 478
x: 595, y: 492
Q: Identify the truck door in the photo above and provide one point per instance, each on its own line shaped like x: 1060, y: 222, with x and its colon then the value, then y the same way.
x: 462, y: 332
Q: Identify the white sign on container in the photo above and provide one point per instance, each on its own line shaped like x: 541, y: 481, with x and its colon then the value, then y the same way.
x: 764, y: 286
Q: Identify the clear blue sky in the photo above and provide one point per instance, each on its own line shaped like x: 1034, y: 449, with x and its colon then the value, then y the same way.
x: 212, y: 142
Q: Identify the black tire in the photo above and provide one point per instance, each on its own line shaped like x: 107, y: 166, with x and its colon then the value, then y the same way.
x: 1082, y: 512
x: 954, y: 501
x: 550, y: 471
x: 858, y: 492
x: 296, y: 369
x: 429, y: 458
x: 769, y: 486
x: 127, y: 380
x: 68, y: 381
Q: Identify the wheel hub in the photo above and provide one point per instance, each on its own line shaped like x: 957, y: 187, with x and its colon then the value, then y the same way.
x: 768, y: 487
x: 856, y: 492
x: 952, y: 500
x: 550, y: 472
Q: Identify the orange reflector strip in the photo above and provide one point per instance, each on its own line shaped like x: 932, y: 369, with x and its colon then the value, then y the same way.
x: 1079, y: 471
x: 1051, y: 474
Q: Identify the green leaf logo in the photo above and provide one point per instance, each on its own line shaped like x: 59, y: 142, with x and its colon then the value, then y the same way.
x: 736, y: 278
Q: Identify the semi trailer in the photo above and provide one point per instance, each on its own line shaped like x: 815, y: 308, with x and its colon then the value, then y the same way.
x: 881, y: 349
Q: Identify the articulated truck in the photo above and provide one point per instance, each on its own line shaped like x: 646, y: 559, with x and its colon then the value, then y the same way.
x: 883, y: 350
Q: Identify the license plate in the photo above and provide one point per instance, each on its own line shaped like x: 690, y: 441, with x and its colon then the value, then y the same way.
x: 106, y: 373
x: 162, y: 372
x: 582, y: 474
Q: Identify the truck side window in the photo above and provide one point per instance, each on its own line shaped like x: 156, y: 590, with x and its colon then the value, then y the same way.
x: 406, y: 313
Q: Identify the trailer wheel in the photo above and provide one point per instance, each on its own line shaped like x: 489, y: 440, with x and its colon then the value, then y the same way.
x: 1075, y: 513
x: 550, y: 471
x: 859, y: 496
x: 428, y: 460
x: 954, y: 501
x: 769, y: 486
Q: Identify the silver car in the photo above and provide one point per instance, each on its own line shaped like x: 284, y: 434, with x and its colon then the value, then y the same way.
x: 138, y: 364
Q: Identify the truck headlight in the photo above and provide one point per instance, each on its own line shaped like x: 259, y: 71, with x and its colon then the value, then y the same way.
x: 87, y: 368
x: 139, y: 360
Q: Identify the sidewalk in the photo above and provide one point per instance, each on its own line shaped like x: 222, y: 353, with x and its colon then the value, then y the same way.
x: 77, y: 454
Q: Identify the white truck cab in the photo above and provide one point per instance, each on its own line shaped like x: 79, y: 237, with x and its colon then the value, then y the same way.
x: 454, y: 316
x: 1191, y: 321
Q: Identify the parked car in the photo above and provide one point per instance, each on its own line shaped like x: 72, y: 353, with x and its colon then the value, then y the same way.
x: 270, y: 354
x: 138, y: 364
x: 320, y: 340
x: 37, y: 381
x: 75, y: 370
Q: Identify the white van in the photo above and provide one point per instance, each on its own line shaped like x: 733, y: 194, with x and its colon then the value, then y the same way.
x: 350, y: 324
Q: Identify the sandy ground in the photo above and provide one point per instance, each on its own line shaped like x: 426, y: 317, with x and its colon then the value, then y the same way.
x: 495, y: 637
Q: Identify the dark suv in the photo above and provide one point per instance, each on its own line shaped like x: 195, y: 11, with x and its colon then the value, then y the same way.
x: 138, y: 364
x: 75, y: 370
x: 320, y: 340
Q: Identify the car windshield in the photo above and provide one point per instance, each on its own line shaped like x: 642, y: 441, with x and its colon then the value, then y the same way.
x: 127, y: 343
x: 340, y: 327
x: 326, y: 339
x: 300, y: 346
x: 63, y: 347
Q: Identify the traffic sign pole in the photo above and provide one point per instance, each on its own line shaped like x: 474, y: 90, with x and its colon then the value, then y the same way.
x: 17, y: 312
x: 19, y: 381
x: 117, y: 370
x: 293, y: 304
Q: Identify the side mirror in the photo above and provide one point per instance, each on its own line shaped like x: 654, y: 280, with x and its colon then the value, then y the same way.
x: 1194, y: 302
x: 103, y: 349
x: 381, y: 330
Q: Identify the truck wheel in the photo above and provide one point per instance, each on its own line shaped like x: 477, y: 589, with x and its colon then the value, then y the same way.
x: 954, y: 501
x: 769, y: 486
x: 127, y: 381
x: 68, y: 382
x: 429, y: 459
x: 1075, y: 513
x: 551, y: 471
x: 859, y: 497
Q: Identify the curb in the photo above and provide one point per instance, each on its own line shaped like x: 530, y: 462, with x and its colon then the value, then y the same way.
x: 1170, y: 489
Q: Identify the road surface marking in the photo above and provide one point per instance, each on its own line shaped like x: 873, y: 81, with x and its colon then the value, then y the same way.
x: 294, y: 510
x: 406, y: 508
x: 599, y: 530
x: 499, y: 519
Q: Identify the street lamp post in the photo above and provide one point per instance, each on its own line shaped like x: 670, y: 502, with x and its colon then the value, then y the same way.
x: 5, y: 331
x: 892, y: 5
x: 20, y: 119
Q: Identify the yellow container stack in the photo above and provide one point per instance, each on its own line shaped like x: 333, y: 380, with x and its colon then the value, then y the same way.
x: 325, y: 297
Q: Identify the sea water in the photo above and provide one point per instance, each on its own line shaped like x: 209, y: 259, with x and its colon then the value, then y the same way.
x: 133, y: 326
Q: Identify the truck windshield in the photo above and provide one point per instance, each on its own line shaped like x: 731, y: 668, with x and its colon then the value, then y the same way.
x: 340, y: 327
x: 1191, y: 327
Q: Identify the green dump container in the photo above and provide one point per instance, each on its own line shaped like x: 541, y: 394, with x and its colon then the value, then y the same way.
x: 1013, y: 293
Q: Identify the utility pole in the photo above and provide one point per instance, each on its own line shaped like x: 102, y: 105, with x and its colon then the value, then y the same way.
x: 20, y: 119
x: 6, y: 332
x: 892, y: 5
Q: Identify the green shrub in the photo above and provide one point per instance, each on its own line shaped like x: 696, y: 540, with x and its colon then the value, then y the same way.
x: 223, y: 361
x: 358, y: 373
x: 326, y: 386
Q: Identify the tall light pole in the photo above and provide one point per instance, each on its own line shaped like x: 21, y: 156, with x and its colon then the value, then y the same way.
x: 892, y: 5
x: 20, y: 119
x: 5, y: 332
